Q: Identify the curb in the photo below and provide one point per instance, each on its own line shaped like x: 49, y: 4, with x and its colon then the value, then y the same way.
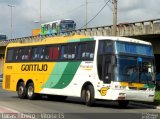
x: 145, y: 105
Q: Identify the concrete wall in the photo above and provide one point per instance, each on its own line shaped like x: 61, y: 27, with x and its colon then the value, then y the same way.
x: 130, y: 29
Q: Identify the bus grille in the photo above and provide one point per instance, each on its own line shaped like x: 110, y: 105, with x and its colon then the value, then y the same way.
x: 7, y: 81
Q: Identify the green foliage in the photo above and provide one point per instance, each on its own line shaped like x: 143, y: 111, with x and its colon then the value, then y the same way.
x: 157, y: 98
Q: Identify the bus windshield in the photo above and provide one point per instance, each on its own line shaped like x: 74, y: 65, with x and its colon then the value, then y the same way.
x: 129, y: 69
x: 67, y: 26
x: 135, y: 62
x: 134, y: 48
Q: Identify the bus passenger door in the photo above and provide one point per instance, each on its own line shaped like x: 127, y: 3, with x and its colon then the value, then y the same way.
x: 106, y: 69
x: 104, y: 60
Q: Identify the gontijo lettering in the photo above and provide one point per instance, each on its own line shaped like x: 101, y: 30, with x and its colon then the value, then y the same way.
x: 34, y: 67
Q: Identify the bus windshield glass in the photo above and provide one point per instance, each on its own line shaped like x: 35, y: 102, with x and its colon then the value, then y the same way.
x: 67, y: 25
x: 135, y: 63
x: 133, y: 48
x: 129, y: 69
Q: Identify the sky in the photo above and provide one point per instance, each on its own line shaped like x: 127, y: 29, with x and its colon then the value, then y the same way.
x: 25, y: 13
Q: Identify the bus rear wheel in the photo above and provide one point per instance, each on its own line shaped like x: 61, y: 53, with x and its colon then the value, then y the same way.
x: 30, y: 92
x: 89, y: 96
x: 21, y: 90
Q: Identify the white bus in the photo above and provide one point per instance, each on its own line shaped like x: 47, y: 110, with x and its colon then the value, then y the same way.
x: 100, y: 67
x: 58, y: 27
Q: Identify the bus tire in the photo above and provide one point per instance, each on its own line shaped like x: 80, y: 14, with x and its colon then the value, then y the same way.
x: 123, y: 103
x: 21, y: 90
x: 89, y: 96
x: 30, y: 92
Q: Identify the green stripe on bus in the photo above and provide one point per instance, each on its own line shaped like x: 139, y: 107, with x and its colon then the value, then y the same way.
x: 81, y: 39
x: 149, y: 86
x: 68, y: 75
x: 73, y: 40
x: 56, y: 74
x: 86, y: 39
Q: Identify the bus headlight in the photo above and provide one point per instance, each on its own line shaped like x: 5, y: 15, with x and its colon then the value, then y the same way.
x: 150, y: 89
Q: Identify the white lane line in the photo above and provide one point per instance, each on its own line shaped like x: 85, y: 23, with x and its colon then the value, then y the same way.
x: 7, y: 110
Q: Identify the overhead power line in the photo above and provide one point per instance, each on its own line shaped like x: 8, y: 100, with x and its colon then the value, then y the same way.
x: 96, y: 14
x: 109, y: 5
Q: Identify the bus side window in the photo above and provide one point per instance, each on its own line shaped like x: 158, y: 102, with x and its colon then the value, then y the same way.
x: 23, y: 54
x: 64, y: 50
x: 10, y: 54
x: 48, y: 53
x: 55, y: 53
x: 15, y: 57
x: 90, y: 50
x: 52, y: 53
x: 105, y: 47
x: 72, y: 52
x: 86, y: 51
x: 38, y: 53
x: 19, y: 54
x: 53, y: 26
x: 45, y: 27
x: 34, y: 55
x: 68, y: 51
x: 27, y: 54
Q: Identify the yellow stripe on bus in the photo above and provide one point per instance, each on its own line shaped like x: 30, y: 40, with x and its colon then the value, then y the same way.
x: 138, y: 85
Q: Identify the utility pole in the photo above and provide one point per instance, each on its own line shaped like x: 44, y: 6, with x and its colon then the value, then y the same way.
x: 40, y: 12
x: 86, y: 13
x: 11, y: 6
x: 115, y: 18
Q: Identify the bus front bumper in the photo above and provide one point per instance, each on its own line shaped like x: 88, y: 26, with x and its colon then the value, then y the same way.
x: 134, y: 95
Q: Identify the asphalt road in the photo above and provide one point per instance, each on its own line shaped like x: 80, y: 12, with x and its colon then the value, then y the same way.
x: 72, y: 108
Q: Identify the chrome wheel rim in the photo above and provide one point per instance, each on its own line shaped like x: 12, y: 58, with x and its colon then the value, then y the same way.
x: 30, y: 91
x: 21, y: 90
x: 88, y: 96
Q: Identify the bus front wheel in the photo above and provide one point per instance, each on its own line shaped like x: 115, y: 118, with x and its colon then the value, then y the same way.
x: 21, y: 90
x: 30, y: 92
x: 89, y: 96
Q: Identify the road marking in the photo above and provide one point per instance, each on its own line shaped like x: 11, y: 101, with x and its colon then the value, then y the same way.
x: 7, y: 110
